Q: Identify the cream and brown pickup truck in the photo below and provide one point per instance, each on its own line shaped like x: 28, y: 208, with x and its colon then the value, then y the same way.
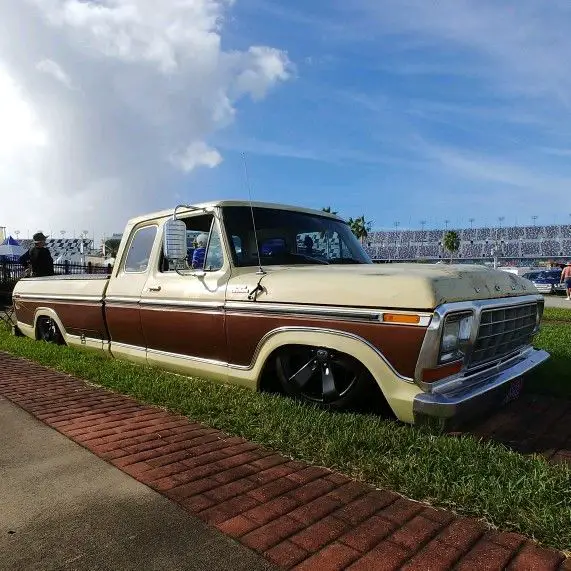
x: 263, y: 295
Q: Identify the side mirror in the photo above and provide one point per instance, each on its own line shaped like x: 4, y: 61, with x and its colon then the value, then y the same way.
x: 175, y: 240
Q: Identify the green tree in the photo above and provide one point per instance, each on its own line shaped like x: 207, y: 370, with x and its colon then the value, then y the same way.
x: 112, y: 247
x: 451, y: 242
x: 360, y: 227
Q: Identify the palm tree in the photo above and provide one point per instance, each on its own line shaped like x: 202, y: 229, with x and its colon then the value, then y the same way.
x: 451, y: 242
x: 329, y: 211
x: 360, y: 227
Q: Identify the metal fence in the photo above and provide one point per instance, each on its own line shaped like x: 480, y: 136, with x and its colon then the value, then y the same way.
x: 11, y: 272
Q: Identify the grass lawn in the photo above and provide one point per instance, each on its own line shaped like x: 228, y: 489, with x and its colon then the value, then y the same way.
x: 485, y: 480
x: 557, y: 314
x: 554, y: 376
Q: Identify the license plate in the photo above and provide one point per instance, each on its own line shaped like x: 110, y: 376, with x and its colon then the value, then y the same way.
x: 514, y: 391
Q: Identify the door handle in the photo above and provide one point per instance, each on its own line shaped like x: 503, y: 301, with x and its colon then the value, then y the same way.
x: 155, y: 288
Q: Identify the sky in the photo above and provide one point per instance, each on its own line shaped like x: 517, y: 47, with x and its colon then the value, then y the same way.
x: 401, y: 110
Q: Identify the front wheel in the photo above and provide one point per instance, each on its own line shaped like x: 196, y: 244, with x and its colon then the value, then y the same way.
x: 324, y: 377
x: 47, y: 330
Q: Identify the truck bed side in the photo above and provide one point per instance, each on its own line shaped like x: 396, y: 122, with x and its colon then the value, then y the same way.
x: 76, y: 301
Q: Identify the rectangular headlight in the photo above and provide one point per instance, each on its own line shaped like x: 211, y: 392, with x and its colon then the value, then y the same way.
x: 455, y: 335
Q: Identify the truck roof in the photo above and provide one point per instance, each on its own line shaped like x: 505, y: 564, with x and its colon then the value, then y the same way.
x: 220, y: 203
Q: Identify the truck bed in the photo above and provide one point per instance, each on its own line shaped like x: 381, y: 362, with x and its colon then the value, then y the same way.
x: 77, y: 301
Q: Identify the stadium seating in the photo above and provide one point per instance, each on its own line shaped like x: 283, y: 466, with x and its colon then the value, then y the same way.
x: 517, y: 243
x: 63, y: 249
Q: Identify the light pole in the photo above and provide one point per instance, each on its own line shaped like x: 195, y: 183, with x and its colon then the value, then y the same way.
x: 534, y: 218
x: 494, y: 253
x: 472, y: 223
x: 446, y: 222
x: 82, y: 245
x: 500, y: 220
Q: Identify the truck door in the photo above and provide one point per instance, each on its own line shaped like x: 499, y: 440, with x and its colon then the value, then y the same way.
x: 182, y: 314
x: 122, y: 310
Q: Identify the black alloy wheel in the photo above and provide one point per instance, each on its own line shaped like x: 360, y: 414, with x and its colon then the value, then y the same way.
x: 48, y: 331
x: 322, y: 376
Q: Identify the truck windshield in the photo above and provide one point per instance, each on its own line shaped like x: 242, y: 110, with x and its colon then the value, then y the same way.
x: 288, y: 237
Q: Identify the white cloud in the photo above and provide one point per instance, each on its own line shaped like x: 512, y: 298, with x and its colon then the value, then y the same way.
x: 262, y: 66
x: 54, y: 69
x: 147, y: 78
x: 141, y: 30
x: 19, y: 128
x: 195, y: 155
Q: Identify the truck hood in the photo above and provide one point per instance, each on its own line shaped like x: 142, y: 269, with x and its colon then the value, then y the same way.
x: 406, y: 286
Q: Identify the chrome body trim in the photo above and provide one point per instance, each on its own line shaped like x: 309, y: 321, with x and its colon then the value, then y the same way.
x: 429, y: 351
x: 188, y: 358
x: 341, y: 312
x: 484, y: 390
x: 58, y: 297
x: 126, y: 346
x: 122, y: 300
x: 182, y: 304
x: 332, y: 312
x: 85, y: 340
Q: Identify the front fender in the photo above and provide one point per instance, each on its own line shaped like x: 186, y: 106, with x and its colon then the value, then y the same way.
x: 398, y: 390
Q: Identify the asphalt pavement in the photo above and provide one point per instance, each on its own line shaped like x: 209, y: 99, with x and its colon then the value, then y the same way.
x: 557, y: 301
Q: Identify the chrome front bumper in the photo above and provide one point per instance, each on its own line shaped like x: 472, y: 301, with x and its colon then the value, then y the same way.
x: 478, y: 394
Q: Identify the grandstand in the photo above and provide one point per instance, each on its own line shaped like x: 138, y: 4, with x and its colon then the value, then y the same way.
x: 517, y: 245
x: 65, y: 249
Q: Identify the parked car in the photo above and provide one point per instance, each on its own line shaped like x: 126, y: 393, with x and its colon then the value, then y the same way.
x: 549, y: 281
x: 532, y: 275
x: 436, y: 342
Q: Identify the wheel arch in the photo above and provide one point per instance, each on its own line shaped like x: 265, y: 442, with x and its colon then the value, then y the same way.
x: 398, y: 391
x: 51, y: 313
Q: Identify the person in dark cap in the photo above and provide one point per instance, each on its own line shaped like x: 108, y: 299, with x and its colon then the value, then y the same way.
x: 38, y: 259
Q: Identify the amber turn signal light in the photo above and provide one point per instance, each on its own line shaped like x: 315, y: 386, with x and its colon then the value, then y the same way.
x: 401, y: 318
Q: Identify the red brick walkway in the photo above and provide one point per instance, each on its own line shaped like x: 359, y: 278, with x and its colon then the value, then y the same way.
x: 298, y: 516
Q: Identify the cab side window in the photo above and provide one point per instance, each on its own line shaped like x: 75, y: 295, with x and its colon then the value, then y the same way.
x: 214, y: 257
x: 137, y: 260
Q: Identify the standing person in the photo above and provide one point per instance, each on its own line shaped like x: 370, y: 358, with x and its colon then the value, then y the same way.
x: 566, y: 277
x: 38, y: 258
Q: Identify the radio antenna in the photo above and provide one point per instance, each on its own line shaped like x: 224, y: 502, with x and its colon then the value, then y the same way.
x: 260, y: 269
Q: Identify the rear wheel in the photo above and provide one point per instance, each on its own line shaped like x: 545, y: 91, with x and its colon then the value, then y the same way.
x: 324, y: 377
x: 47, y: 330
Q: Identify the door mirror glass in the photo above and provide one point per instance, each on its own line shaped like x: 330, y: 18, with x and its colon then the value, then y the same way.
x: 175, y: 240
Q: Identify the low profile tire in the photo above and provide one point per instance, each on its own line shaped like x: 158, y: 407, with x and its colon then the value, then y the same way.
x: 48, y: 331
x: 324, y: 377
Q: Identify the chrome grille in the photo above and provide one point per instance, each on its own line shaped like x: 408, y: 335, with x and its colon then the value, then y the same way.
x: 503, y: 331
